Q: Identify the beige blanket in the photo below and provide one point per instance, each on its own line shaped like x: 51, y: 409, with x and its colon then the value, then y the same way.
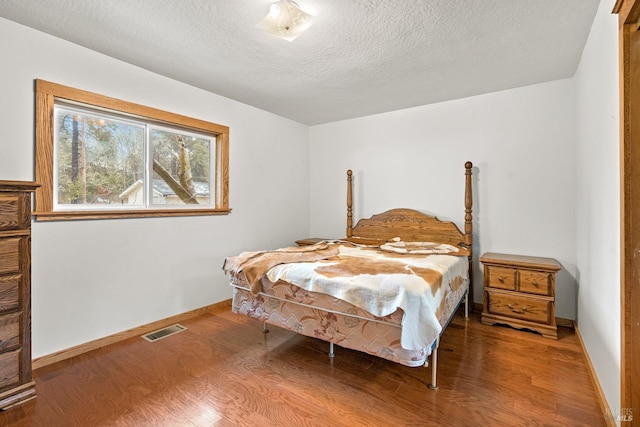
x: 254, y: 265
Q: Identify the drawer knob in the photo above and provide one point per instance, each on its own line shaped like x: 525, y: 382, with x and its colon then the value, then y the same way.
x: 534, y: 283
x: 500, y: 279
x: 515, y: 310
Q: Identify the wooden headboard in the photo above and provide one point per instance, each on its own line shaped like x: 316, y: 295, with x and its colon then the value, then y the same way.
x: 412, y: 225
x: 409, y: 225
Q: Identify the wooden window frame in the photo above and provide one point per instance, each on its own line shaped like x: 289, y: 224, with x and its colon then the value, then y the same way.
x: 46, y: 95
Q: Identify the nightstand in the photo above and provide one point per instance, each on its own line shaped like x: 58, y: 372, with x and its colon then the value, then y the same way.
x: 519, y: 291
x: 309, y: 241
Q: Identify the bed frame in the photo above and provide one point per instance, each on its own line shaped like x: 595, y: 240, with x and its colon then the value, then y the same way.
x: 412, y: 225
x: 408, y: 225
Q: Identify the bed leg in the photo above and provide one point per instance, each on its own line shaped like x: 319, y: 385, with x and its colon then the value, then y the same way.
x: 265, y: 328
x: 331, y: 353
x: 434, y: 366
x: 466, y: 306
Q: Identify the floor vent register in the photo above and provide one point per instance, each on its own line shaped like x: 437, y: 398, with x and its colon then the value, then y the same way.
x: 164, y: 332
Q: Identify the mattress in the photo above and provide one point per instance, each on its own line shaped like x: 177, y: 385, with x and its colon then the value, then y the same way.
x: 333, y: 320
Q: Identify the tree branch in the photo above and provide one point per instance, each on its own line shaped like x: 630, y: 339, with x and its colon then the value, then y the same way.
x: 184, y: 195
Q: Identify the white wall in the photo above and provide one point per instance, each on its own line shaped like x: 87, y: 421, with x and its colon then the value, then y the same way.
x: 597, y: 210
x: 522, y: 143
x: 95, y: 278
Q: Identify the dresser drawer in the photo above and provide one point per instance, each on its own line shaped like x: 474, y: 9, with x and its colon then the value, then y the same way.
x: 10, y: 292
x: 9, y: 368
x: 520, y: 307
x: 10, y: 255
x: 501, y: 277
x: 10, y: 331
x: 9, y: 211
x: 535, y: 282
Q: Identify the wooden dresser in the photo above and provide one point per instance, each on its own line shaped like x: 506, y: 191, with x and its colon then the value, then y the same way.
x: 16, y: 384
x: 519, y: 291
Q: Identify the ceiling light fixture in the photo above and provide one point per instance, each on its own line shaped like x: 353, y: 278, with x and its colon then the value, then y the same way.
x: 286, y: 20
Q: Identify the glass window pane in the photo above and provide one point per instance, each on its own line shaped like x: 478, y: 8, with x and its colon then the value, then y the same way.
x: 100, y: 161
x: 181, y: 166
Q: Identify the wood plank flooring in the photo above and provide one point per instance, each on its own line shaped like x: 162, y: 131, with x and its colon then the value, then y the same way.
x: 223, y: 371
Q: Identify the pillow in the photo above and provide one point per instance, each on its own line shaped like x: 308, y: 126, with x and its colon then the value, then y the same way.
x: 419, y: 247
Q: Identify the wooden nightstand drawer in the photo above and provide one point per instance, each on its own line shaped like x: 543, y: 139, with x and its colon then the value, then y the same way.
x: 501, y: 277
x: 9, y: 255
x: 520, y: 307
x: 535, y: 282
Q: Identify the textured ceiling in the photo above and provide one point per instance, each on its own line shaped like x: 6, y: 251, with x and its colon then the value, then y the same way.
x: 360, y: 57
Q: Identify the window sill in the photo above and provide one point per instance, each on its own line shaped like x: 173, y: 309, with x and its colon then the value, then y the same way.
x: 111, y: 214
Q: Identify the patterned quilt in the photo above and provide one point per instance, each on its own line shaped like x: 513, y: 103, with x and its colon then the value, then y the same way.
x: 376, y: 279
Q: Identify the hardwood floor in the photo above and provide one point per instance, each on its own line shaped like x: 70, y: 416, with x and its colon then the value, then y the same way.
x: 223, y: 371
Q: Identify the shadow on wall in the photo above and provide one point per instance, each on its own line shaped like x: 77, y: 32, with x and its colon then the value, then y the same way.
x: 566, y: 294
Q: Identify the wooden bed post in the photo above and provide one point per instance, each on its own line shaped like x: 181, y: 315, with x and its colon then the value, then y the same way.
x: 349, y: 203
x: 468, y: 224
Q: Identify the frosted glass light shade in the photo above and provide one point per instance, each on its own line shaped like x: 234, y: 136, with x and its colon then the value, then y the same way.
x: 286, y: 20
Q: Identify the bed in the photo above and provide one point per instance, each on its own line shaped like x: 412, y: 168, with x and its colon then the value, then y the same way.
x: 388, y: 288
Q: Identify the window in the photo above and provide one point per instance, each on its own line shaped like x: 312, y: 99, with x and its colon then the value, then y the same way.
x: 99, y: 157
